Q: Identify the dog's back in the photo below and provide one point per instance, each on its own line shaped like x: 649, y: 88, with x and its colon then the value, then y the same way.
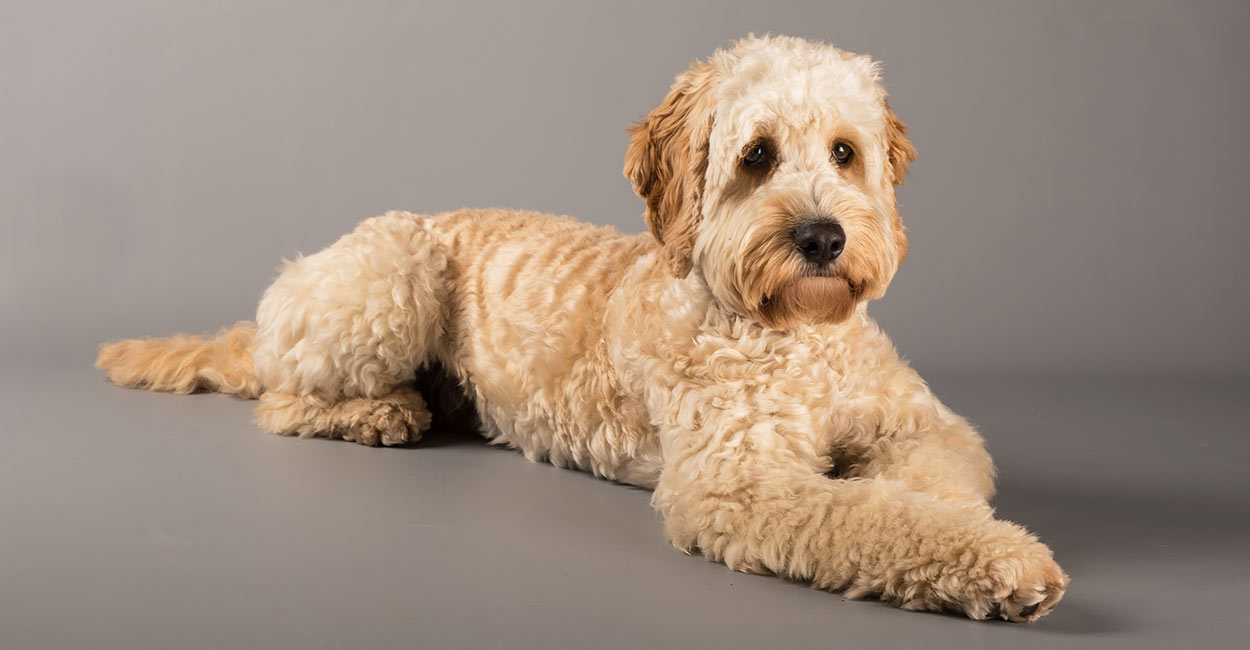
x: 510, y: 304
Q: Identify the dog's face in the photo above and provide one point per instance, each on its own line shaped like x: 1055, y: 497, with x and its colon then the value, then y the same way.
x: 770, y: 170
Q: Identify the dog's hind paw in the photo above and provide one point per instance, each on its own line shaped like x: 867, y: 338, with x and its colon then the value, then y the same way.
x: 396, y: 418
x: 387, y: 425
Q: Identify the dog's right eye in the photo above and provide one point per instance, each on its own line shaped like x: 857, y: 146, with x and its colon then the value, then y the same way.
x: 757, y: 155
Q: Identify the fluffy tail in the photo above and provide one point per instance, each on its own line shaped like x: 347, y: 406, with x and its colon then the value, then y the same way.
x: 185, y: 363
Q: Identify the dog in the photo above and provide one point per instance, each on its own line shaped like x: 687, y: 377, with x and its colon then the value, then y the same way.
x: 725, y: 359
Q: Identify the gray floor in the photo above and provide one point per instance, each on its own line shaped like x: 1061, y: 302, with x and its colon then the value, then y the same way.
x: 134, y: 519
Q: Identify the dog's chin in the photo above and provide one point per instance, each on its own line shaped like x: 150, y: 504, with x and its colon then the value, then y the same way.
x: 811, y: 300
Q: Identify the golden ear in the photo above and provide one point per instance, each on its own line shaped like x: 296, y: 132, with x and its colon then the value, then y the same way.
x: 667, y: 162
x: 899, y: 153
x: 899, y: 149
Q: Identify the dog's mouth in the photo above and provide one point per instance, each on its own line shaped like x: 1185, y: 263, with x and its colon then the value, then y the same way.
x: 856, y: 286
x: 812, y: 298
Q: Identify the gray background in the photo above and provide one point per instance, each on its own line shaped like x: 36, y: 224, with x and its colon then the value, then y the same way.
x: 1076, y: 205
x: 1076, y: 287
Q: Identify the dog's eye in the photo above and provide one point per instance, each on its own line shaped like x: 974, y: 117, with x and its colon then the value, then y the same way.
x: 757, y: 155
x: 842, y: 153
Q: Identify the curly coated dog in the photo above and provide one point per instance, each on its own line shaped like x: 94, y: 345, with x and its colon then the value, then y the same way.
x: 725, y: 359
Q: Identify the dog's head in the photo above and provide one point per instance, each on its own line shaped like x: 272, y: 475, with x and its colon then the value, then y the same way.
x: 770, y: 170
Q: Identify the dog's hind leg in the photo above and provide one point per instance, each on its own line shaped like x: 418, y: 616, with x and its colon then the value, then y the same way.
x: 343, y: 332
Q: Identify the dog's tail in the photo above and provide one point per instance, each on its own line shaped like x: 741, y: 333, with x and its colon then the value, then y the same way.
x: 185, y: 363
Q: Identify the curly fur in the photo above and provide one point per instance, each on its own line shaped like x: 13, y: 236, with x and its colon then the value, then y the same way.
x: 775, y: 422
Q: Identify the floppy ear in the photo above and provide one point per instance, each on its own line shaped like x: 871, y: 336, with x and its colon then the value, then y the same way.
x: 899, y: 153
x: 899, y: 150
x: 667, y: 163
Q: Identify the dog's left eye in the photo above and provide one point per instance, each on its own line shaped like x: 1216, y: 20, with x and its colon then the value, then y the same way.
x: 756, y: 156
x: 842, y: 153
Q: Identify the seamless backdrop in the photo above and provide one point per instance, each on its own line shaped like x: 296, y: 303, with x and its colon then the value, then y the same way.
x: 1077, y: 207
x: 1076, y: 288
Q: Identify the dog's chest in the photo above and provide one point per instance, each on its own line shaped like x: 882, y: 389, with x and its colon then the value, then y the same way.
x: 822, y: 386
x: 837, y: 388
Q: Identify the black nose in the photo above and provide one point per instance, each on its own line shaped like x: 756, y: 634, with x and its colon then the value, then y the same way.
x: 819, y: 240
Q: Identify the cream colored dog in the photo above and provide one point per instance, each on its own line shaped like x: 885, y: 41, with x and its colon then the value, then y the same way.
x: 725, y: 360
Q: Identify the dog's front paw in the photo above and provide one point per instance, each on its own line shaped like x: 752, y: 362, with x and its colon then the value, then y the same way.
x: 1013, y: 577
x: 1034, y: 596
x: 993, y: 570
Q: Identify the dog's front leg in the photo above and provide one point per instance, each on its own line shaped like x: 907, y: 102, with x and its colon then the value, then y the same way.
x: 747, y: 492
x: 924, y: 445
